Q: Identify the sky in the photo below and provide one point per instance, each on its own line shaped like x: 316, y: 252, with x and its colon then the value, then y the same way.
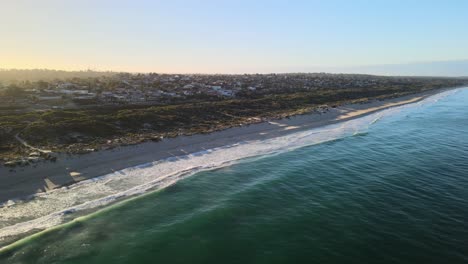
x: 243, y: 36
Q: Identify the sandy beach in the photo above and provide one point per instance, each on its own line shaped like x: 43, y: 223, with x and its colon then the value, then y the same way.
x: 22, y: 182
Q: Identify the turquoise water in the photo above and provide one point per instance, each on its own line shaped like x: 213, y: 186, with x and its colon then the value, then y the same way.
x: 396, y: 193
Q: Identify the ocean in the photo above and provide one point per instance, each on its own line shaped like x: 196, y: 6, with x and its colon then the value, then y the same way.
x: 391, y: 187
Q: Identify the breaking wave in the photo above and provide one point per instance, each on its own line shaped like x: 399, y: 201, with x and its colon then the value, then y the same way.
x: 55, y: 207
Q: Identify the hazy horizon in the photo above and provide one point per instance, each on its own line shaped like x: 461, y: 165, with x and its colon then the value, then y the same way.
x: 236, y: 37
x: 457, y: 68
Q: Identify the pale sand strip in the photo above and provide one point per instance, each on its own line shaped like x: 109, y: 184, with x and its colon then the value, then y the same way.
x: 69, y: 169
x: 350, y: 113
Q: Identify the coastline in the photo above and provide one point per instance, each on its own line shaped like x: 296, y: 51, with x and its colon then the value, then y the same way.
x: 69, y: 169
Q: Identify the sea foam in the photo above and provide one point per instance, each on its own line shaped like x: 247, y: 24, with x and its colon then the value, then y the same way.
x: 52, y: 208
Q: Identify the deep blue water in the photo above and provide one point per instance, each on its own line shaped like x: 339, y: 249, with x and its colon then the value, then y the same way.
x: 397, y: 193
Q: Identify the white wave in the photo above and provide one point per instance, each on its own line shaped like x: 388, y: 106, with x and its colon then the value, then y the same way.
x: 48, y: 209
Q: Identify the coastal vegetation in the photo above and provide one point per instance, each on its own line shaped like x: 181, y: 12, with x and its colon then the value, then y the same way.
x: 90, y: 128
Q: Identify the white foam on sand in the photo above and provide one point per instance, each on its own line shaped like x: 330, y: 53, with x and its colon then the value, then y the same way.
x: 52, y: 208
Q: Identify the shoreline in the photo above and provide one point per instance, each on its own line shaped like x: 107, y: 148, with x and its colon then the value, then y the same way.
x: 69, y: 169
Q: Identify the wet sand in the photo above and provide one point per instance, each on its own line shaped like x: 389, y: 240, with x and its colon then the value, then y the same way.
x: 26, y: 181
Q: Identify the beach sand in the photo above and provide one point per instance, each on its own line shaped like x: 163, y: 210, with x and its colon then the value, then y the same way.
x: 25, y: 181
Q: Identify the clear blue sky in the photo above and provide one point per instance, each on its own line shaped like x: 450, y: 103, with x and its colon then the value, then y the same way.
x: 228, y: 36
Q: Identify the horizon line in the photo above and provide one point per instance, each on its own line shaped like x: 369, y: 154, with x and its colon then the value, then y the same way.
x: 233, y: 74
x: 332, y: 69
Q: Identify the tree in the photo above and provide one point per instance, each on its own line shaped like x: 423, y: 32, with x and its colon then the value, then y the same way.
x: 42, y: 85
x: 14, y: 91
